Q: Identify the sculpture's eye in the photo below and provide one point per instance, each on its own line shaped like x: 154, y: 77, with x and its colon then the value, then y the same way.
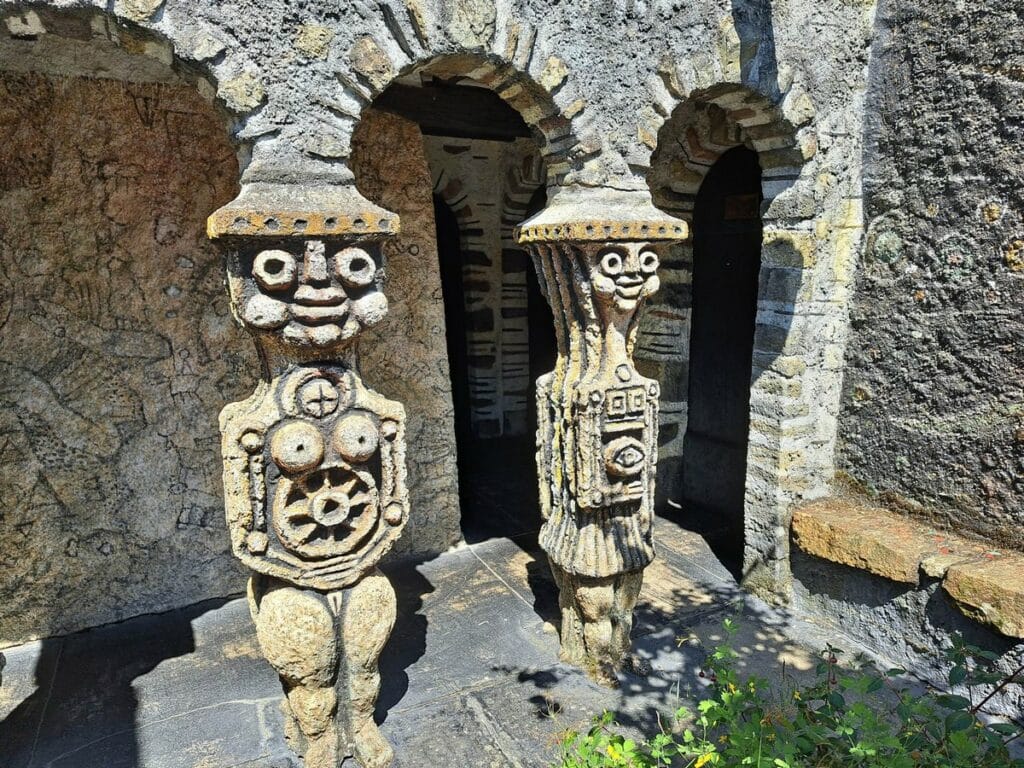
x: 624, y: 457
x: 297, y: 447
x: 274, y: 270
x: 611, y: 263
x: 355, y: 267
x: 649, y: 262
x: 630, y: 457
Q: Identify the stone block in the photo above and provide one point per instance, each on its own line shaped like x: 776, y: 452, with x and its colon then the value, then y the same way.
x: 866, y: 538
x: 987, y: 586
x: 990, y: 590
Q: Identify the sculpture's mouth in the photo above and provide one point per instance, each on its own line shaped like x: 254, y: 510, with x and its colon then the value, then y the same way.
x: 317, y: 306
x: 319, y: 314
x: 629, y: 288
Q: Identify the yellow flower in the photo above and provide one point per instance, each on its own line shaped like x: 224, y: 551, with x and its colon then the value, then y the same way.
x: 796, y: 695
x: 732, y: 688
x: 614, y: 752
x: 703, y: 759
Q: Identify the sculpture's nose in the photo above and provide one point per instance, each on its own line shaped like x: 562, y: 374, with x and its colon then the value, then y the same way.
x: 314, y: 264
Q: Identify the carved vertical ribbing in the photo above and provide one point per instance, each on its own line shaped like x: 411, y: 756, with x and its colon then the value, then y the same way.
x: 597, y: 416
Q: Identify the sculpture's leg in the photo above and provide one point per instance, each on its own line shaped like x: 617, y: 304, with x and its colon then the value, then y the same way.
x: 367, y: 617
x: 296, y: 631
x: 325, y: 649
x: 597, y: 618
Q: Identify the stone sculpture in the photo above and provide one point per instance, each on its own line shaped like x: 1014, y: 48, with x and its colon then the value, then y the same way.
x: 314, y: 461
x: 597, y: 416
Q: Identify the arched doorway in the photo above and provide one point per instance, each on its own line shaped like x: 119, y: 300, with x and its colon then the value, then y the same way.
x: 496, y: 466
x: 487, y: 173
x: 726, y: 263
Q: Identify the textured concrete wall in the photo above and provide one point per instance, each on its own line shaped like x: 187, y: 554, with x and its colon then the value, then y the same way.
x: 117, y: 351
x: 404, y: 357
x: 933, y: 403
x: 602, y: 84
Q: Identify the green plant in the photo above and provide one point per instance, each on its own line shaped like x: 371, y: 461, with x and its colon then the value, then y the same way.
x: 856, y: 718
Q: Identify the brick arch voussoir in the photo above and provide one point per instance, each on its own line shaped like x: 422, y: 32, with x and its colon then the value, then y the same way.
x: 709, y: 123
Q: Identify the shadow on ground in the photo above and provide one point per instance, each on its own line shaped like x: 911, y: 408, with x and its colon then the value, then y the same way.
x: 470, y: 676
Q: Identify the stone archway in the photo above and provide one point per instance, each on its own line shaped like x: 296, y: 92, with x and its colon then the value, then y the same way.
x: 782, y: 452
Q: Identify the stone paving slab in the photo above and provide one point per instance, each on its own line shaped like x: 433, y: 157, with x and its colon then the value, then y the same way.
x: 470, y: 676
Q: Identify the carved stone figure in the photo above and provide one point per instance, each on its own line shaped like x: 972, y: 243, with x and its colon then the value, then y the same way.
x: 314, y: 461
x: 597, y: 416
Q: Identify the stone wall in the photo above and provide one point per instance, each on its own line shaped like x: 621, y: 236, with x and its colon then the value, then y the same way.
x: 601, y: 86
x: 405, y: 357
x: 117, y: 350
x: 933, y: 403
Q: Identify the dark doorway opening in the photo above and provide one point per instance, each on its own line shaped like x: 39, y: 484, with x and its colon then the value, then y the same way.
x: 726, y: 263
x: 497, y: 475
x: 498, y: 327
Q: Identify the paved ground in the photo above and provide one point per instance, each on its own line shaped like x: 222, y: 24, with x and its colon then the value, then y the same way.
x: 470, y: 674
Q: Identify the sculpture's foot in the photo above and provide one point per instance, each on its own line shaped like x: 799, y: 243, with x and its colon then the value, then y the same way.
x: 597, y: 618
x: 325, y: 648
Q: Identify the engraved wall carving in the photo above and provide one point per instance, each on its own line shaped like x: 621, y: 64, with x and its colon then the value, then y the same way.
x: 117, y: 348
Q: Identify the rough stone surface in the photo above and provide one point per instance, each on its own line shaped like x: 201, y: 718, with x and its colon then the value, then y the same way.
x: 297, y: 114
x: 933, y: 404
x: 991, y: 591
x: 863, y: 537
x: 984, y: 584
x: 406, y: 357
x: 116, y: 349
x: 325, y: 648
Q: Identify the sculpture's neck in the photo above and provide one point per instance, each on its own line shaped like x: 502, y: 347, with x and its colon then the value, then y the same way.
x: 276, y: 360
x: 615, y: 347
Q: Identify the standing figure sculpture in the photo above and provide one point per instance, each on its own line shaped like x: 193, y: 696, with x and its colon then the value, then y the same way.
x: 597, y: 434
x: 314, y: 461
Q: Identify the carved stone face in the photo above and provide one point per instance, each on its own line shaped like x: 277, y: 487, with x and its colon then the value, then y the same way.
x: 624, y: 274
x: 312, y: 294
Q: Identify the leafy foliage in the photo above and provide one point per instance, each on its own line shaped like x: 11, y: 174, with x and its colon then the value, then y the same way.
x: 843, y: 719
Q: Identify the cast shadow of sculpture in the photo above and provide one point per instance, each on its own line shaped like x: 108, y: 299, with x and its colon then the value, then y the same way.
x: 84, y: 710
x: 408, y: 640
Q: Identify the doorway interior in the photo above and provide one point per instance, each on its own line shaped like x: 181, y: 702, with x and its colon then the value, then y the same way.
x: 726, y: 264
x: 488, y: 178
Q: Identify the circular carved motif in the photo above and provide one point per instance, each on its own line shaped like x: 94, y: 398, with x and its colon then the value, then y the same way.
x: 274, y: 269
x: 356, y: 437
x: 624, y: 457
x: 328, y: 512
x: 318, y: 398
x: 297, y: 447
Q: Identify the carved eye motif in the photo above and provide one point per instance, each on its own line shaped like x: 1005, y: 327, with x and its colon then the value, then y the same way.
x: 274, y: 270
x: 297, y: 447
x: 649, y: 262
x: 624, y: 457
x: 355, y: 267
x: 611, y: 263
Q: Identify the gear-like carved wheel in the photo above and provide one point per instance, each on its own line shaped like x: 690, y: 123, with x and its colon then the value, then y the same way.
x: 328, y: 512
